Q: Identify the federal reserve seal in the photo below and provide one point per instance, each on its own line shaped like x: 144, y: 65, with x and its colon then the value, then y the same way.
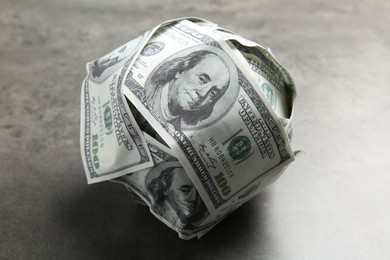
x: 239, y: 147
x: 152, y: 48
x: 269, y: 94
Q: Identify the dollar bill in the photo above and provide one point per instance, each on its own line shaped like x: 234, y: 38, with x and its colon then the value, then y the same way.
x: 111, y: 142
x: 170, y: 194
x: 206, y: 105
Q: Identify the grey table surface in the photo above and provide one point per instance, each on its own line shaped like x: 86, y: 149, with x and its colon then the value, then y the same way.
x: 332, y: 203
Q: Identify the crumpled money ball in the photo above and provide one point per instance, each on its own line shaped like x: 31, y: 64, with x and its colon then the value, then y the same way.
x: 193, y: 119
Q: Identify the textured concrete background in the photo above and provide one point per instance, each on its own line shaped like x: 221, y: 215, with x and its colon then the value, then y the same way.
x: 332, y: 203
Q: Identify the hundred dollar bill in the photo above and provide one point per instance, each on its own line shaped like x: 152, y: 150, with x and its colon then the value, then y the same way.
x: 110, y: 141
x: 205, y: 104
x: 170, y: 194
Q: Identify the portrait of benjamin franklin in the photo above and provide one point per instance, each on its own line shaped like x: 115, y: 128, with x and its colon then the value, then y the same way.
x: 193, y: 88
x: 174, y: 196
x: 102, y: 68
